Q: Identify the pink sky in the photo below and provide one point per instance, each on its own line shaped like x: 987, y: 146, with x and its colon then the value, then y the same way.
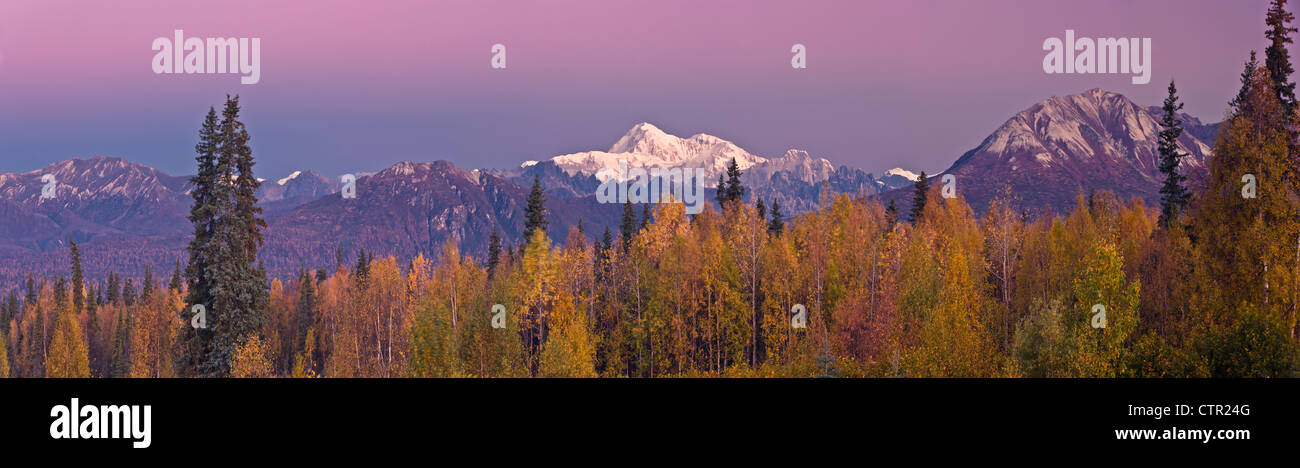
x: 358, y: 85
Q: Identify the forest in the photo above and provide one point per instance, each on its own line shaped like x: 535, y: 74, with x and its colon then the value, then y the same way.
x: 1206, y: 284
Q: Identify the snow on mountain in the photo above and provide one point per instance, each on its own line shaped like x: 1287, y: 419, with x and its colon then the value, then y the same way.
x: 898, y: 171
x: 798, y: 163
x: 287, y: 179
x: 1065, y: 146
x: 647, y: 146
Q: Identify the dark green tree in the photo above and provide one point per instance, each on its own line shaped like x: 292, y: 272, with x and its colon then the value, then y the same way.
x: 494, y: 252
x: 921, y: 193
x: 777, y: 225
x: 306, y: 309
x: 735, y: 190
x: 114, y: 288
x: 1246, y: 77
x: 761, y: 207
x: 891, y: 215
x: 209, y: 201
x: 1173, y: 195
x: 628, y: 227
x: 78, y: 280
x: 535, y: 213
x: 175, y: 283
x: 1276, y: 57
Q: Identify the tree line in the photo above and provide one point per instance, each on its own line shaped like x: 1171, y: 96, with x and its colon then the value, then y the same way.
x: 1205, y: 284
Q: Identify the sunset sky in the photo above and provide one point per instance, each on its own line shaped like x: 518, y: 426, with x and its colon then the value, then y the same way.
x: 358, y: 85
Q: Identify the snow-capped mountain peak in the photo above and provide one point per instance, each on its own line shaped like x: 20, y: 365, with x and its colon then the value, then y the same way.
x: 898, y: 171
x: 645, y: 145
x: 290, y: 177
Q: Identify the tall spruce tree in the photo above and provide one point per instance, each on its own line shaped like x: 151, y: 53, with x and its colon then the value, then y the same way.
x: 146, y: 290
x: 1173, y: 195
x: 777, y: 225
x: 175, y: 283
x: 535, y: 213
x: 1277, y: 58
x: 735, y: 190
x: 239, y: 290
x: 224, y: 274
x: 1246, y: 76
x: 891, y: 215
x: 207, y: 207
x: 114, y: 288
x: 920, y: 194
x: 627, y: 228
x: 494, y: 253
x: 306, y: 309
x: 78, y: 280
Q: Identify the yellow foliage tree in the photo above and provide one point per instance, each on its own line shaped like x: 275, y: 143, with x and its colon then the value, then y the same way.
x: 68, y: 353
x: 250, y: 360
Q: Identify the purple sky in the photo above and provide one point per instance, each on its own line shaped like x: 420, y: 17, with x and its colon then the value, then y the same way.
x: 357, y: 85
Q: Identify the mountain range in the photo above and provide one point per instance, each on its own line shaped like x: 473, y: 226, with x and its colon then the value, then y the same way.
x: 127, y: 215
x: 1065, y: 146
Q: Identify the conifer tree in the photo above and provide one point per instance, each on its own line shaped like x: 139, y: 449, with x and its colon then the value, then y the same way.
x: 921, y: 193
x: 114, y: 288
x: 78, y: 284
x: 146, y: 289
x: 628, y: 227
x: 735, y: 191
x: 1246, y: 76
x: 891, y: 215
x: 208, y: 205
x: 535, y: 213
x: 721, y: 196
x: 777, y: 225
x: 494, y: 253
x: 306, y: 309
x: 1173, y: 195
x: 760, y: 207
x: 128, y: 293
x: 1277, y: 58
x: 175, y: 283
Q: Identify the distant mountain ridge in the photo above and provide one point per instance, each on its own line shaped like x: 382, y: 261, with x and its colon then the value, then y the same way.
x: 127, y: 215
x: 1065, y: 146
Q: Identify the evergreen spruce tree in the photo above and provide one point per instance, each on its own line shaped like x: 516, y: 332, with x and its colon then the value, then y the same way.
x: 1173, y: 195
x: 175, y: 283
x: 494, y: 252
x: 721, y: 196
x: 209, y: 202
x: 306, y: 309
x: 891, y: 215
x: 761, y: 207
x: 735, y: 191
x: 535, y: 213
x: 645, y: 215
x: 128, y: 293
x: 119, y: 363
x: 114, y: 288
x: 146, y: 290
x: 628, y: 227
x: 921, y: 193
x: 1277, y: 58
x: 777, y: 226
x: 223, y: 273
x: 78, y: 280
x: 1246, y: 76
